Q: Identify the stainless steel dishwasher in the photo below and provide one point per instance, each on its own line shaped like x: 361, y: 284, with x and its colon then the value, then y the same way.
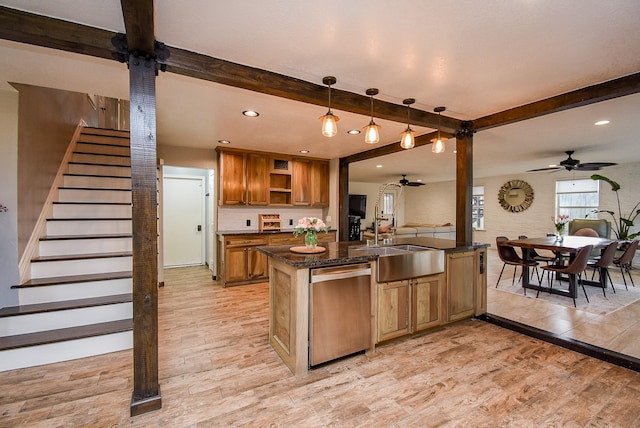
x: 339, y: 311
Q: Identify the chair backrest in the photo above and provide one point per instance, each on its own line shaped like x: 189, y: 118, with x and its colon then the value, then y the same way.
x: 607, y: 256
x: 601, y: 226
x: 628, y: 254
x: 506, y: 252
x: 580, y: 262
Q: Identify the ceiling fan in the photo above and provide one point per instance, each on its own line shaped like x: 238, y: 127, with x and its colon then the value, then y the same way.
x: 571, y: 164
x: 403, y: 181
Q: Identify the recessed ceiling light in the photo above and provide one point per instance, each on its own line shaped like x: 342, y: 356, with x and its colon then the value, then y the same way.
x: 304, y: 151
x: 419, y: 180
x: 224, y: 141
x: 353, y: 131
x: 378, y: 166
x: 601, y: 122
x: 251, y: 113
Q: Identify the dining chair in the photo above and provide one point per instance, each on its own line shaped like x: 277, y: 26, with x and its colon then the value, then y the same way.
x: 624, y: 261
x: 576, y: 267
x: 602, y: 264
x: 509, y: 256
x: 537, y: 257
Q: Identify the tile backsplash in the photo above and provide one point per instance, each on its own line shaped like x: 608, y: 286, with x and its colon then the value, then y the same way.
x: 232, y: 218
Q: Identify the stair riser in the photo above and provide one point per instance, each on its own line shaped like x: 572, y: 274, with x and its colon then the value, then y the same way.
x: 63, y: 351
x: 84, y: 246
x: 88, y: 195
x: 80, y: 290
x: 109, y: 137
x: 102, y: 149
x: 80, y: 267
x: 119, y: 171
x: 100, y: 159
x: 100, y: 182
x: 88, y: 227
x: 91, y: 211
x: 23, y: 324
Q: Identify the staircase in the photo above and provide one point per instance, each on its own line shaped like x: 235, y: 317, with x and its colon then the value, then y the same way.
x: 78, y: 300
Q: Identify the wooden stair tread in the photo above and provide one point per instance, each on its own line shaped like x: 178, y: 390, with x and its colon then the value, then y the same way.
x: 101, y: 154
x: 98, y: 164
x: 95, y: 236
x: 91, y: 203
x: 96, y: 175
x: 64, y: 305
x: 89, y: 218
x: 95, y: 188
x: 104, y: 132
x: 71, y: 279
x: 64, y: 334
x: 63, y: 257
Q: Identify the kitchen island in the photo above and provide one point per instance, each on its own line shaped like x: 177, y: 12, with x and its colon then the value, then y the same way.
x: 393, y: 308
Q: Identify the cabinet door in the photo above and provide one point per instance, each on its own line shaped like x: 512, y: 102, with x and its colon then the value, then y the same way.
x: 235, y: 264
x: 393, y: 310
x: 258, y: 166
x: 232, y: 181
x: 330, y: 236
x: 320, y: 183
x: 426, y: 296
x: 257, y: 264
x: 301, y: 179
x: 481, y: 286
x: 460, y: 285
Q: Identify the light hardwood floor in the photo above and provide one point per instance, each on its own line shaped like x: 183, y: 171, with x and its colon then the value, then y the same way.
x: 217, y: 369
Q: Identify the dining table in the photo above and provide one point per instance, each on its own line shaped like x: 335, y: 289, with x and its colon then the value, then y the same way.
x: 561, y: 246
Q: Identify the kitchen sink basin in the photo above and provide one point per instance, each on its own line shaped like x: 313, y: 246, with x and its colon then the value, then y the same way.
x: 404, y: 261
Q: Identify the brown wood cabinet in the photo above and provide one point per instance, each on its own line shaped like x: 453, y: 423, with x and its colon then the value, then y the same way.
x: 242, y: 261
x: 259, y: 178
x: 409, y: 306
x: 461, y: 284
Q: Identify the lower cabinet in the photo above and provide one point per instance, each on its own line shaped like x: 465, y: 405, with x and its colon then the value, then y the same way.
x: 461, y: 285
x: 242, y: 261
x: 409, y: 306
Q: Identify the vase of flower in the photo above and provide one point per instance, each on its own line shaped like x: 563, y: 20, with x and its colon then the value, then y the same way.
x: 311, y: 239
x: 561, y: 226
x: 310, y: 226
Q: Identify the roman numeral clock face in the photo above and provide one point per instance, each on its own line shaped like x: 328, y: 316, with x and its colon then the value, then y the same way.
x: 515, y: 196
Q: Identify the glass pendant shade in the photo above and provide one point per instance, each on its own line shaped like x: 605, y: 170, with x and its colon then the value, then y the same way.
x: 329, y: 124
x: 407, y: 139
x: 438, y: 145
x: 372, y: 133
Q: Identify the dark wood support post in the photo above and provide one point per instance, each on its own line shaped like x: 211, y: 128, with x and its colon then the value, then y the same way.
x: 343, y: 200
x: 464, y: 184
x: 146, y: 386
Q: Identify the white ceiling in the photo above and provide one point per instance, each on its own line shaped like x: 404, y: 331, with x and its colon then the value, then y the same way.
x: 475, y: 58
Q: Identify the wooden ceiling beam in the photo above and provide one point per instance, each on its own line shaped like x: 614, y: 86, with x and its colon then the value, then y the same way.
x: 139, y: 24
x: 615, y: 88
x: 53, y: 33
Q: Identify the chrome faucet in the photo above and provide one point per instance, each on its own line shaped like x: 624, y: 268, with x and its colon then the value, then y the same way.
x: 376, y: 217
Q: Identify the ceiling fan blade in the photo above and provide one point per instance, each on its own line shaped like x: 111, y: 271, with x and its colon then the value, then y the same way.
x: 551, y: 168
x: 593, y: 166
x: 415, y: 184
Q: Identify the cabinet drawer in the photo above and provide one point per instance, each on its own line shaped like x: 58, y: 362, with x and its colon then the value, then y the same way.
x: 286, y: 239
x: 245, y: 240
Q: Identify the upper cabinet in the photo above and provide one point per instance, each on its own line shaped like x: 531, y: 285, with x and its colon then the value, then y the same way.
x: 257, y: 178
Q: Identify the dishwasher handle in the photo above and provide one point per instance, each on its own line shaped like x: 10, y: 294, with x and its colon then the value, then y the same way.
x: 342, y: 272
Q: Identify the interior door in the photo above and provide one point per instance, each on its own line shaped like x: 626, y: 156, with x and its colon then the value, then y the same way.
x: 184, y: 220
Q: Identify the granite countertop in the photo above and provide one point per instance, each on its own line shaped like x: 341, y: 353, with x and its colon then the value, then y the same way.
x: 342, y: 252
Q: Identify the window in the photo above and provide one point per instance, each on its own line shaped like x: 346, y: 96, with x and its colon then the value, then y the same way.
x: 388, y: 204
x: 577, y: 198
x: 477, y: 208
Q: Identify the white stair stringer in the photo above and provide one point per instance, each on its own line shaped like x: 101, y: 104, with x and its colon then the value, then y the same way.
x: 77, y: 302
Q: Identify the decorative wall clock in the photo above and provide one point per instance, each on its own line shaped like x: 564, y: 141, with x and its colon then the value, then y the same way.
x: 515, y: 196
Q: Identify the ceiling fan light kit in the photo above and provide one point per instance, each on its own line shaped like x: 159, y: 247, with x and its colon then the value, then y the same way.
x: 407, y: 138
x: 372, y: 131
x: 329, y: 120
x: 438, y: 145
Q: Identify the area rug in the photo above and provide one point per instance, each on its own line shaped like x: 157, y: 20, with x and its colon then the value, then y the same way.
x: 598, y: 303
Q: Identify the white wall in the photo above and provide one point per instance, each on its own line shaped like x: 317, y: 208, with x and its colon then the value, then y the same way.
x: 9, y: 274
x: 372, y: 190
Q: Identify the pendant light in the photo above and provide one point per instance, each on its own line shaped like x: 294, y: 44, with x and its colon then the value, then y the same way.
x: 372, y: 131
x: 407, y: 138
x: 329, y: 120
x: 438, y: 143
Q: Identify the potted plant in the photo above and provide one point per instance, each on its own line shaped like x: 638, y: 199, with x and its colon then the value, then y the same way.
x: 621, y: 225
